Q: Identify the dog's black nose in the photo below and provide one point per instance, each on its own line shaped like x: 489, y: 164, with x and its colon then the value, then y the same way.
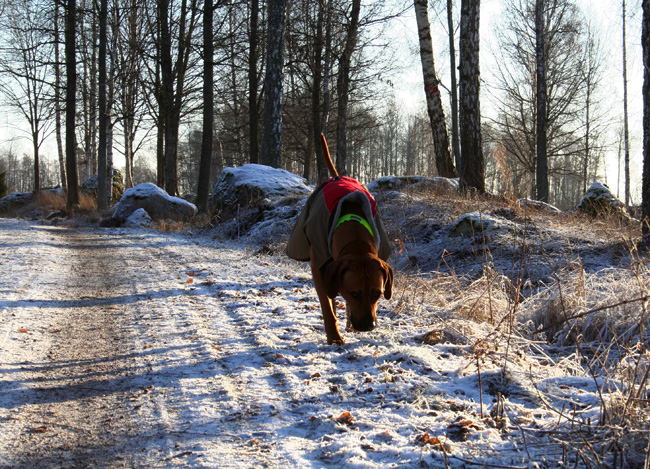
x: 364, y: 325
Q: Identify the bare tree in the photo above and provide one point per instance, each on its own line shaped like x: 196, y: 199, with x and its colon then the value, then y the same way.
x: 542, y: 120
x: 472, y: 170
x: 57, y: 95
x: 514, y: 91
x: 645, y: 190
x: 444, y: 162
x: 203, y: 189
x: 455, y: 140
x: 25, y: 62
x: 103, y: 189
x: 174, y: 69
x: 625, y: 113
x: 70, y: 103
x: 343, y: 86
x: 253, y: 82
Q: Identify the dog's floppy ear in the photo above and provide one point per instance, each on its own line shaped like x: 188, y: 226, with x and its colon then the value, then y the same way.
x: 332, y: 277
x: 388, y: 283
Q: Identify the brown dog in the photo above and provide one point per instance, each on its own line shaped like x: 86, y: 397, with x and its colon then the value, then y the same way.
x: 341, y: 232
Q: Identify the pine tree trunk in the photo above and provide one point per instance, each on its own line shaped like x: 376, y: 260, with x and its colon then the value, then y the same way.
x: 203, y: 189
x: 645, y: 189
x: 472, y: 171
x: 343, y: 87
x: 542, y: 162
x: 444, y: 163
x: 272, y: 121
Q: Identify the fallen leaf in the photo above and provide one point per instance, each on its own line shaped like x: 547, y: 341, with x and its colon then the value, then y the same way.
x: 191, y: 274
x: 24, y: 331
x: 345, y: 418
x: 41, y: 429
x: 190, y: 280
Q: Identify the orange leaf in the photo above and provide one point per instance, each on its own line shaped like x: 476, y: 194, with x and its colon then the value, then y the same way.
x: 190, y: 280
x: 345, y: 417
x: 24, y: 331
x: 191, y: 274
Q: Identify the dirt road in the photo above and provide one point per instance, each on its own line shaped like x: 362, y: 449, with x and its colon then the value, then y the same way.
x: 94, y: 350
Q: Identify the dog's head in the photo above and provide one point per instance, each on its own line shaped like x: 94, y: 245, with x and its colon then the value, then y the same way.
x: 361, y: 280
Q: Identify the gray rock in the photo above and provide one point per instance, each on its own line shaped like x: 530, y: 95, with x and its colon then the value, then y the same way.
x: 418, y: 183
x: 91, y: 185
x: 138, y: 219
x: 157, y: 203
x: 254, y: 184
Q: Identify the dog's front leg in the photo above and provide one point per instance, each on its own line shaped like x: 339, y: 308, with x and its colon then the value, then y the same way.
x: 327, y: 306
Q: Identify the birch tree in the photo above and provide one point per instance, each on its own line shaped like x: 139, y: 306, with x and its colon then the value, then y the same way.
x: 444, y: 163
x: 455, y: 140
x: 472, y: 170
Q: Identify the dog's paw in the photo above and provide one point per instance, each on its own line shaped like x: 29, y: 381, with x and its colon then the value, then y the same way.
x: 335, y: 340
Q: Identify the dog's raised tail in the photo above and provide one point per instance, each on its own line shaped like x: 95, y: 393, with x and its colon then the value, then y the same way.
x: 327, y: 157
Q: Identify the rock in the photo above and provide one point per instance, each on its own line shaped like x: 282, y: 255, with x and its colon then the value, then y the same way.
x: 475, y: 222
x: 91, y: 185
x: 420, y: 183
x: 17, y: 201
x: 600, y: 201
x: 11, y: 203
x: 254, y: 184
x: 138, y: 219
x: 157, y: 203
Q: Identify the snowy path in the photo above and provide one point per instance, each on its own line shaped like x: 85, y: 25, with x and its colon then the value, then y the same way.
x: 126, y: 348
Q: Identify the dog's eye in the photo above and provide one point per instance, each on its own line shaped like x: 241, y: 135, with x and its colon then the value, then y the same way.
x: 376, y: 294
x: 356, y: 295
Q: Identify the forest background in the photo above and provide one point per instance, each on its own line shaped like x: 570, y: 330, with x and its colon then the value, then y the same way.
x: 388, y: 129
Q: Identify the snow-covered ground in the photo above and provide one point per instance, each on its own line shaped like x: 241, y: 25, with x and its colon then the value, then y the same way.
x: 123, y: 347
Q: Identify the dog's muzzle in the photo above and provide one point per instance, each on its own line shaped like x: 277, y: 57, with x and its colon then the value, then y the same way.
x: 364, y: 325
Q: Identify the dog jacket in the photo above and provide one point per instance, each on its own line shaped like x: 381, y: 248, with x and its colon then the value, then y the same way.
x: 318, y: 220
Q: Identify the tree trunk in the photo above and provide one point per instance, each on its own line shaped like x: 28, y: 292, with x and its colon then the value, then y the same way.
x: 70, y: 103
x: 316, y: 115
x: 203, y: 189
x: 57, y: 100
x: 645, y: 189
x: 102, y: 170
x: 343, y: 87
x: 455, y: 144
x: 444, y: 163
x: 472, y: 170
x: 253, y: 84
x: 542, y: 124
x: 625, y: 117
x: 272, y: 121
